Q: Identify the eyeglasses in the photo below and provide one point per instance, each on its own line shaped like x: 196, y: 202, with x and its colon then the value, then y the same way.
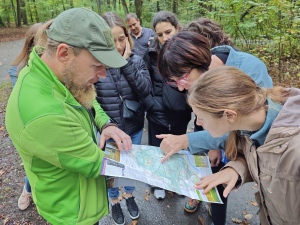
x: 181, y: 82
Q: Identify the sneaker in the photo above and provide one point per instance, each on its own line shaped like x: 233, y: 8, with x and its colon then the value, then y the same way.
x: 117, y: 214
x: 24, y: 200
x: 191, y: 205
x: 159, y: 193
x: 132, y: 207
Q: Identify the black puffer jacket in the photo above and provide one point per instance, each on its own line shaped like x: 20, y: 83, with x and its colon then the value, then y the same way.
x: 133, y: 82
x: 168, y: 111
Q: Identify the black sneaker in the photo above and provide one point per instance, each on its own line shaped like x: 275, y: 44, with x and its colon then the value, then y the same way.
x: 132, y: 207
x: 117, y: 214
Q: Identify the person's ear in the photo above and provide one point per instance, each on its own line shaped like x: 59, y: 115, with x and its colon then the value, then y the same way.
x: 64, y: 53
x: 230, y: 115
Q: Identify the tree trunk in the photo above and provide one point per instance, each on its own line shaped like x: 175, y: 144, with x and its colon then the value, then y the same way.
x: 125, y: 6
x: 157, y: 4
x: 14, y: 12
x: 175, y: 6
x: 19, y: 13
x: 23, y: 13
x: 1, y: 22
x: 36, y: 13
x: 119, y: 4
x: 31, y: 17
x: 71, y: 4
x: 139, y: 9
x: 99, y: 6
x: 114, y: 4
x: 63, y: 3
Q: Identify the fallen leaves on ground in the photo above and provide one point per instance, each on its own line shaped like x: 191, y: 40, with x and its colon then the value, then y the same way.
x: 171, y: 193
x: 147, y: 192
x: 254, y: 203
x: 11, y: 34
x: 6, y: 220
x: 201, y: 219
x: 248, y: 216
x: 168, y: 206
x: 1, y: 172
x: 2, y: 128
x: 245, y: 222
x: 245, y: 212
x: 236, y: 220
x: 134, y: 222
x: 146, y: 198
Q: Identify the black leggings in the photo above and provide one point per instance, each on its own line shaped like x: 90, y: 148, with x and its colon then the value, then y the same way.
x: 219, y: 210
x: 155, y: 129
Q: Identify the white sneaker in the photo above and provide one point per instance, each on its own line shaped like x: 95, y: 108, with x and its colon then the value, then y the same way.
x: 24, y: 200
x: 159, y: 193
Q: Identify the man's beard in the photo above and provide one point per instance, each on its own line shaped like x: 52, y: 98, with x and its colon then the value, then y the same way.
x: 83, y: 94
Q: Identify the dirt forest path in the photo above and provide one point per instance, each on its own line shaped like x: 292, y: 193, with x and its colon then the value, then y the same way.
x: 167, y: 212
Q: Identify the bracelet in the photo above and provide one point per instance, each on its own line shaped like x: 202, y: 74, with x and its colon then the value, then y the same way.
x: 108, y: 125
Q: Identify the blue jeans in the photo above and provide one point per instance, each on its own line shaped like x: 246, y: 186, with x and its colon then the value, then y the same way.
x: 27, y: 185
x: 113, y: 193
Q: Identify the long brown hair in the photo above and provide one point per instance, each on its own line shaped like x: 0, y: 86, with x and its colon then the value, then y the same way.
x: 212, y: 30
x: 113, y: 19
x: 23, y: 57
x: 226, y: 87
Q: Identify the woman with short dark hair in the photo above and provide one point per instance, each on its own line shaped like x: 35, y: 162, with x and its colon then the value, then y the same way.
x: 167, y: 111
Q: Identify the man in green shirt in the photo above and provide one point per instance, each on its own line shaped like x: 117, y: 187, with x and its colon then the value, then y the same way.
x: 52, y: 114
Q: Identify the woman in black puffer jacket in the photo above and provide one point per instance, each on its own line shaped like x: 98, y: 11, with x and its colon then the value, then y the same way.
x: 167, y: 111
x: 130, y: 82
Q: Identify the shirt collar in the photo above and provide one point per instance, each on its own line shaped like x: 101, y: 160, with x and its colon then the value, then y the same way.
x: 261, y: 134
x: 142, y: 33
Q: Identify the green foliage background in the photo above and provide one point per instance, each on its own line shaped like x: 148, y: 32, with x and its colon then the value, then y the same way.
x: 269, y: 29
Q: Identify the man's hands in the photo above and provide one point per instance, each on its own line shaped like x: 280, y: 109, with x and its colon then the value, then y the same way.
x: 172, y: 144
x: 119, y: 137
x: 127, y: 51
x: 215, y: 157
x: 227, y: 176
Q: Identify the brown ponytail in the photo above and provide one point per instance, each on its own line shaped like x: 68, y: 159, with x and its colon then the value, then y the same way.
x: 23, y: 57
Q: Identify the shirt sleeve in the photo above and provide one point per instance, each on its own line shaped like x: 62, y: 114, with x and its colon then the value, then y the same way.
x: 202, y: 141
x: 101, y: 117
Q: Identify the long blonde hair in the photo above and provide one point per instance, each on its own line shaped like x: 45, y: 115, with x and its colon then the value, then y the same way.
x: 227, y: 87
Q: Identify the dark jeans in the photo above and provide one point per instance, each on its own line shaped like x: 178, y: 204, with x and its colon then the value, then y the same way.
x: 155, y: 129
x: 219, y: 210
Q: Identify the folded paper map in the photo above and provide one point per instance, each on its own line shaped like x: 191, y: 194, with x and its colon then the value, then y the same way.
x: 143, y: 163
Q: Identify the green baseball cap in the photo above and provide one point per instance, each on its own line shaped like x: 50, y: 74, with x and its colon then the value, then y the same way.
x: 83, y: 28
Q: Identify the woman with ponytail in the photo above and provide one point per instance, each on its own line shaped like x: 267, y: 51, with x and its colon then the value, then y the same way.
x: 264, y: 140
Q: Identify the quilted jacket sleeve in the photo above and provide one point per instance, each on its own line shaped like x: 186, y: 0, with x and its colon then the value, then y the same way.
x: 137, y: 75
